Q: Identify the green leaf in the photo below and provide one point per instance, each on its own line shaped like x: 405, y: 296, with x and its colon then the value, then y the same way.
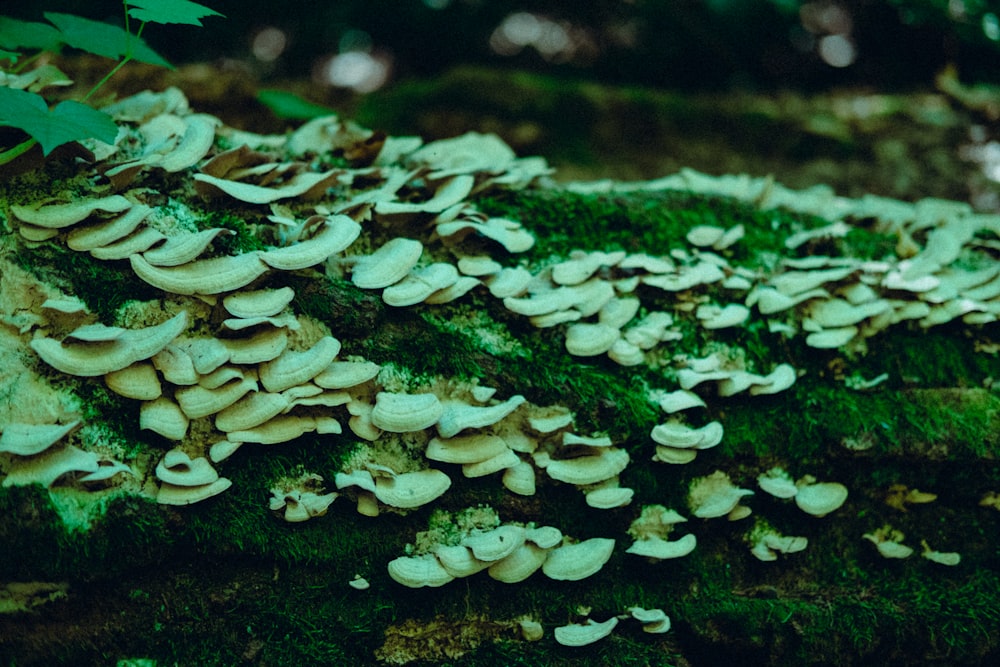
x: 290, y: 106
x: 169, y: 11
x: 16, y: 34
x: 103, y: 39
x: 67, y: 121
x: 12, y: 56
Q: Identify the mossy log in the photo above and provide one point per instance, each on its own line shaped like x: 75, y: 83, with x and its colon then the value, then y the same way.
x: 226, y: 581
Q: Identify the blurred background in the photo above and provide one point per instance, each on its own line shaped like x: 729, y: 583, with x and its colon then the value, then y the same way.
x: 889, y: 96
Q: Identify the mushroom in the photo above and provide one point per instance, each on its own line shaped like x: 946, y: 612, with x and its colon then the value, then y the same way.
x: 101, y: 358
x: 658, y: 548
x: 889, y: 542
x: 573, y: 562
x: 458, y: 416
x: 31, y: 439
x: 412, y: 489
x: 258, y: 303
x: 206, y: 276
x: 293, y: 368
x: 387, y: 265
x: 777, y: 483
x: 58, y: 216
x: 654, y: 621
x: 48, y: 466
x: 90, y: 237
x: 402, y: 413
x: 492, y: 545
x: 589, y: 469
x: 138, y: 381
x: 582, y: 634
x: 899, y: 496
x: 819, y: 498
x: 949, y: 558
x: 334, y: 235
x: 418, y: 571
x: 520, y: 564
x: 714, y: 495
x: 163, y: 416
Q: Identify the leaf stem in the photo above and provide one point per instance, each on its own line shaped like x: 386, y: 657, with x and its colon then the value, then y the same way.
x: 12, y: 153
x: 99, y: 84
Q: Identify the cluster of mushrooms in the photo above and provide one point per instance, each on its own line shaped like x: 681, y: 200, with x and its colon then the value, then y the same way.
x: 221, y: 361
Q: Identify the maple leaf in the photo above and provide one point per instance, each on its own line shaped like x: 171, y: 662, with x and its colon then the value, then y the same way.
x: 169, y: 11
x: 67, y: 121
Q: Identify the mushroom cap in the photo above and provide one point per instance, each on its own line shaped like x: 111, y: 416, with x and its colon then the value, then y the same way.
x: 589, y: 340
x: 681, y: 399
x: 590, y: 469
x: 48, y: 466
x: 163, y: 416
x: 665, y: 454
x: 344, y: 374
x: 387, y: 265
x: 777, y: 483
x: 183, y: 248
x: 545, y: 537
x: 92, y: 359
x: 682, y: 436
x: 821, y: 498
x: 333, y: 236
x: 262, y: 346
x: 418, y: 571
x: 573, y: 562
x: 412, y: 489
x: 781, y: 378
x: 251, y: 410
x: 170, y: 494
x: 178, y: 469
x: 30, y: 439
x: 457, y: 416
x: 225, y: 273
x: 197, y: 401
x: 138, y: 381
x: 458, y: 560
x: 401, y: 413
x: 661, y: 549
x: 465, y: 449
x: 420, y: 284
x: 582, y: 634
x: 278, y: 429
x: 58, y: 216
x: 519, y: 564
x: 258, y: 303
x: 492, y: 545
x: 293, y: 368
x: 502, y: 461
x: 714, y: 496
x: 610, y: 497
x: 520, y: 479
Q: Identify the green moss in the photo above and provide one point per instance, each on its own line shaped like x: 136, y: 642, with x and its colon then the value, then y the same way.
x: 246, y: 237
x: 103, y: 285
x: 654, y: 223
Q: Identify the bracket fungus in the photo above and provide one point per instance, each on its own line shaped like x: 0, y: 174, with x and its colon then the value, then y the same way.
x: 819, y: 498
x: 30, y: 439
x: 401, y: 412
x: 103, y: 357
x: 582, y: 634
x: 573, y: 562
x: 654, y: 621
x: 714, y: 496
x: 411, y: 489
x: 889, y: 542
x: 418, y: 571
